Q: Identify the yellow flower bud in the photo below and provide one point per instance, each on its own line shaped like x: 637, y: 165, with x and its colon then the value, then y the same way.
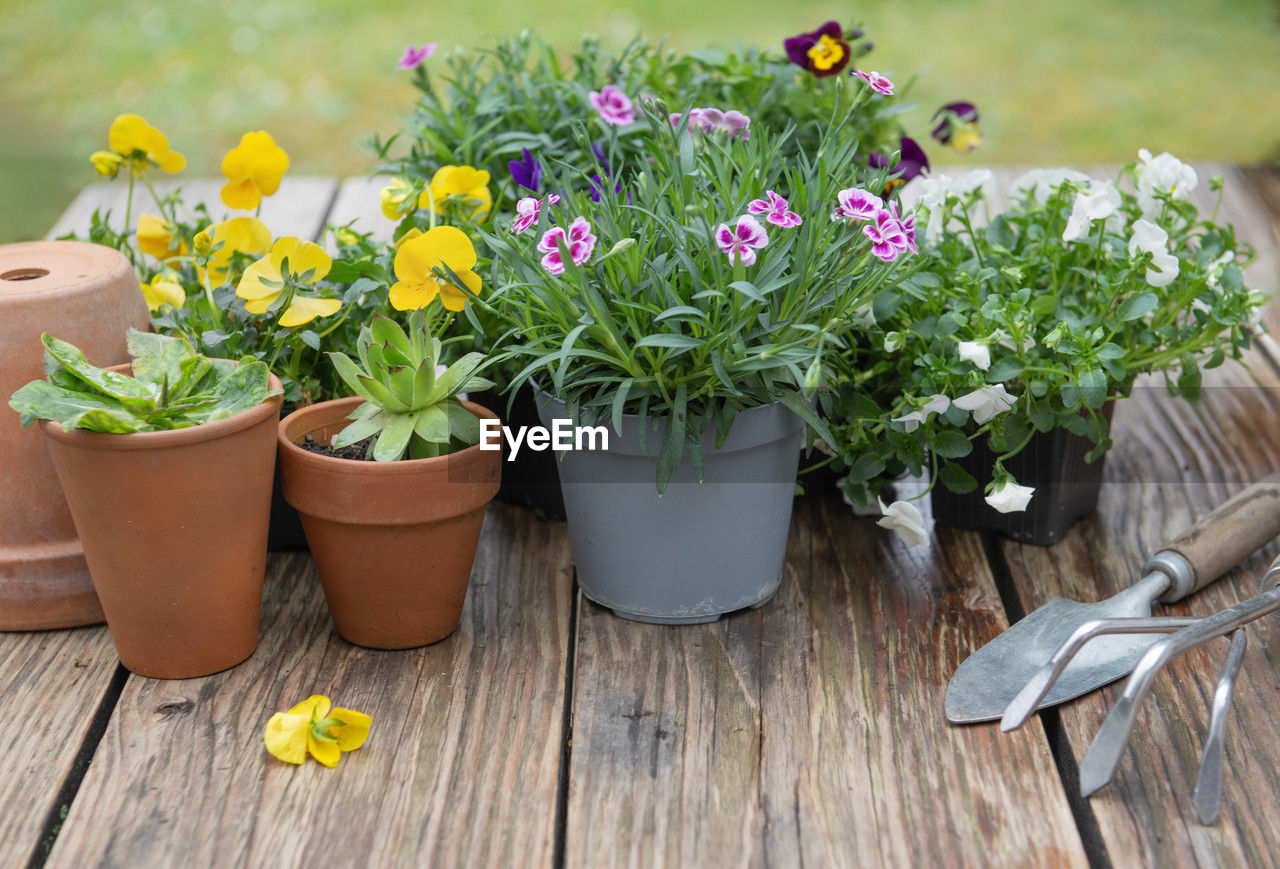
x: 203, y: 242
x: 106, y: 163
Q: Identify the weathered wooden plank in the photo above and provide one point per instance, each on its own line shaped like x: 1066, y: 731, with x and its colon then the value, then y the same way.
x: 1172, y: 462
x: 860, y: 764
x: 665, y: 763
x: 358, y: 200
x: 298, y: 208
x: 811, y: 731
x: 95, y: 197
x: 462, y: 766
x: 51, y: 685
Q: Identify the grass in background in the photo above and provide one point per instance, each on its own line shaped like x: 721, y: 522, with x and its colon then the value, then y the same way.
x: 1082, y: 82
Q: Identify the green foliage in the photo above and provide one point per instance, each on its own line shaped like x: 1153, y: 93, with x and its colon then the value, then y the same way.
x: 659, y: 322
x: 1060, y: 326
x: 172, y: 387
x: 413, y: 411
x: 486, y: 106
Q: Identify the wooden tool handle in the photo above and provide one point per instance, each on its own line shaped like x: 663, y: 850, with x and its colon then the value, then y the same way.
x: 1225, y: 537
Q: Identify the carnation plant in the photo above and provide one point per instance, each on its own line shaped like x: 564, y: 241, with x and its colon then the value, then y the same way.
x: 724, y: 276
x: 1035, y: 319
x: 514, y: 110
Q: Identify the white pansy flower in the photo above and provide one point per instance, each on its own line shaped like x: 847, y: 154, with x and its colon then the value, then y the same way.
x: 976, y: 179
x: 934, y: 404
x: 986, y: 403
x: 893, y: 342
x: 1099, y: 202
x: 978, y: 354
x: 1040, y: 183
x: 934, y: 191
x: 904, y: 519
x: 931, y: 194
x: 1201, y: 305
x: 1149, y: 238
x: 1163, y: 173
x: 1009, y: 497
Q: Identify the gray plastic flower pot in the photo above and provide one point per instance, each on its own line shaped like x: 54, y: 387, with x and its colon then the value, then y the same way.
x: 702, y: 549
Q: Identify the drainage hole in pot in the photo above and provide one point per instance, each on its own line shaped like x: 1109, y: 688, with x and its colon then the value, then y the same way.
x: 23, y: 274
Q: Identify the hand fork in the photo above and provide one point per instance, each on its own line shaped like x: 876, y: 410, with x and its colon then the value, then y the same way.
x: 1099, y: 764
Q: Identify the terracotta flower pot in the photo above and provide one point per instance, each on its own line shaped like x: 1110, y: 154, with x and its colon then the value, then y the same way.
x: 393, y: 542
x: 174, y: 527
x: 86, y: 294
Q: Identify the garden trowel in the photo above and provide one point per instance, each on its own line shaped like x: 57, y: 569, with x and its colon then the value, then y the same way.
x: 989, y: 679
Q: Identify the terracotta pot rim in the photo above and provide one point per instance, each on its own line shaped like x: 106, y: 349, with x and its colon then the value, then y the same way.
x: 156, y: 440
x: 362, y: 467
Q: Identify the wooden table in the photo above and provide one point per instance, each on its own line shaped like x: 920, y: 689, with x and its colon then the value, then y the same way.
x: 547, y: 731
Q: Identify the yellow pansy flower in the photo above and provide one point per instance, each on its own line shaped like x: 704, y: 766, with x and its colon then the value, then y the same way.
x: 163, y: 290
x: 263, y: 281
x: 253, y: 170
x: 156, y: 237
x: 313, y: 727
x: 140, y: 143
x: 420, y: 267
x: 106, y: 163
x: 408, y: 236
x: 247, y: 235
x: 464, y: 182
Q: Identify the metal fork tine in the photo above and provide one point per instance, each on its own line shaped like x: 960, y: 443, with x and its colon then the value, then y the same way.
x: 1028, y: 699
x: 1208, y: 793
x: 1100, y: 761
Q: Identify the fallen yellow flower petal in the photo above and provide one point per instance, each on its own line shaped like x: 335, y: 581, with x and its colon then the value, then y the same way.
x: 311, y: 727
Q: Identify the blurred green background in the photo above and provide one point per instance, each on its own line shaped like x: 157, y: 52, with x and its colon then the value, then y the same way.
x: 1058, y: 81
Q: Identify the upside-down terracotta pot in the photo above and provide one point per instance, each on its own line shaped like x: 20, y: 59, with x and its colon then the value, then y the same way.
x: 86, y: 294
x: 393, y: 542
x: 174, y: 527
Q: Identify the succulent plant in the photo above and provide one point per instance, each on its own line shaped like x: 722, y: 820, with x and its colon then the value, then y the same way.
x: 413, y: 410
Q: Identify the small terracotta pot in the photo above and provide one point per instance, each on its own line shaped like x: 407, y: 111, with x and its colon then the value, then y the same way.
x: 174, y: 527
x: 393, y: 542
x: 86, y: 294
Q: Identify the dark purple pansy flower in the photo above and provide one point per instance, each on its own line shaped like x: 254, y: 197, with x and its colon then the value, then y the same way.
x: 912, y: 161
x: 527, y: 173
x: 957, y: 126
x: 598, y: 185
x: 822, y: 52
x: 602, y: 158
